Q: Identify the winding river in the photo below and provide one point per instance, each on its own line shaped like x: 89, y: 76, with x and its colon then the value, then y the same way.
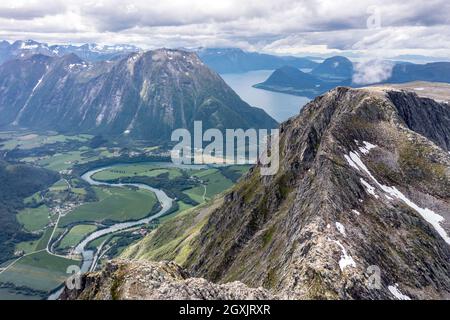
x: 89, y: 257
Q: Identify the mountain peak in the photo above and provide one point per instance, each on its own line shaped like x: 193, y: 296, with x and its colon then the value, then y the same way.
x: 146, y: 94
x: 362, y: 186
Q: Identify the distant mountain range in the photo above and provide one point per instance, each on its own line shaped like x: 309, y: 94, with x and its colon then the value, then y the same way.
x: 89, y: 52
x: 144, y: 95
x: 221, y: 60
x: 232, y: 60
x: 434, y: 71
x: 339, y: 71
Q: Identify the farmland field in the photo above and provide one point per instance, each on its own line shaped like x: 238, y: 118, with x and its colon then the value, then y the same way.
x: 115, y: 204
x: 148, y: 170
x: 39, y: 271
x: 215, y: 183
x: 82, y: 207
x: 75, y: 235
x: 34, y: 219
x: 27, y: 246
x: 34, y: 140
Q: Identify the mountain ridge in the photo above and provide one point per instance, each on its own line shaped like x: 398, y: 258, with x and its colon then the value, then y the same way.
x: 361, y: 189
x: 89, y: 52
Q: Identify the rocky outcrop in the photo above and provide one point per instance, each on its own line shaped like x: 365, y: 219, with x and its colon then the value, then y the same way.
x: 137, y: 280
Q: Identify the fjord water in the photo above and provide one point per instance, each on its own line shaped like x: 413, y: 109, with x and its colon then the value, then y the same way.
x: 279, y: 106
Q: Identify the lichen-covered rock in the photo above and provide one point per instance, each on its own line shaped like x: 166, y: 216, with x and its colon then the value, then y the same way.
x: 143, y: 280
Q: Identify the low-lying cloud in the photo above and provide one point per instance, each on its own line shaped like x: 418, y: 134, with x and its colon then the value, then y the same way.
x: 372, y: 71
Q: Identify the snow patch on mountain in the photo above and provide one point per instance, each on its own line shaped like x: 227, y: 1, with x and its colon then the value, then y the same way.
x: 428, y: 215
x: 346, y: 260
x: 396, y: 292
x: 340, y: 227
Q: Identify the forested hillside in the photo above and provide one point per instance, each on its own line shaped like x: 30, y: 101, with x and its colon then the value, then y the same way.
x: 17, y: 183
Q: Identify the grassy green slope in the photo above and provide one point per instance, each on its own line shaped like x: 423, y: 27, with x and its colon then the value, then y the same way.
x: 173, y: 240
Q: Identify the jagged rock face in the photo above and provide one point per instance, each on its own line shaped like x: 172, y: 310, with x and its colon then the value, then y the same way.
x: 363, y: 186
x: 143, y: 96
x: 424, y: 116
x: 140, y: 280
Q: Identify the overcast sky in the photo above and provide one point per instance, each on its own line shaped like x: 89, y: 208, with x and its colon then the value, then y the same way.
x: 382, y: 28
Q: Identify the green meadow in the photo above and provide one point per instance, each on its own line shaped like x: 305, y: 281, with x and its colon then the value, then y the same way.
x: 34, y: 219
x: 76, y: 235
x: 115, y: 204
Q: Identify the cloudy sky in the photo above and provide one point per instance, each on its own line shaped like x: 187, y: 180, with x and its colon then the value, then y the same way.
x: 384, y: 28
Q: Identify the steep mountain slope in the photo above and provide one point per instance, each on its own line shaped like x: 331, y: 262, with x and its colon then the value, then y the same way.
x: 359, y: 209
x: 145, y: 95
x: 233, y: 60
x: 292, y: 77
x: 358, y: 173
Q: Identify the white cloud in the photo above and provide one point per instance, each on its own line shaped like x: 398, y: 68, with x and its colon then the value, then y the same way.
x: 283, y: 26
x: 372, y: 71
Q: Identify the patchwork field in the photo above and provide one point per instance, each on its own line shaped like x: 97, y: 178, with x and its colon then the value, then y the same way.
x: 148, y: 170
x: 214, y: 181
x: 63, y: 161
x: 33, y: 140
x: 82, y: 207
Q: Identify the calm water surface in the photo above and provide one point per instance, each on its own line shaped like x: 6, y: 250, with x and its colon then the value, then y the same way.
x: 280, y: 106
